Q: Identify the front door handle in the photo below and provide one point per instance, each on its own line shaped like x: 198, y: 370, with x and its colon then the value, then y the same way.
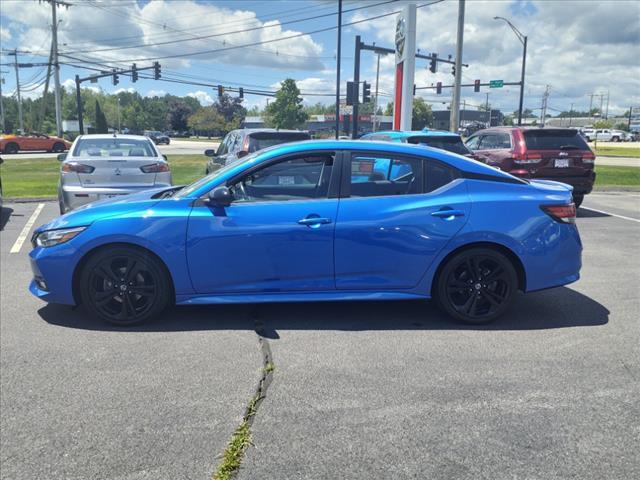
x: 314, y: 221
x: 447, y: 213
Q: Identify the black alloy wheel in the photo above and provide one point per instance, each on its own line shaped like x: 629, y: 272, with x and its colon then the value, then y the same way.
x: 476, y: 285
x: 58, y: 147
x: 124, y: 285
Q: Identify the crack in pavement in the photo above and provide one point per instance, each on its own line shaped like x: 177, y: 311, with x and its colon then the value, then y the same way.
x: 241, y: 438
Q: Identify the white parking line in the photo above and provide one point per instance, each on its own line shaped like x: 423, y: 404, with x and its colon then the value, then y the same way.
x: 611, y: 214
x: 27, y: 228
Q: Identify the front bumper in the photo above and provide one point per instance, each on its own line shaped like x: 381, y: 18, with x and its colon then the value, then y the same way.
x: 53, y: 269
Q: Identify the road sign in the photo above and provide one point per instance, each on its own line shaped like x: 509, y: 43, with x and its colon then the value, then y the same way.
x: 496, y: 83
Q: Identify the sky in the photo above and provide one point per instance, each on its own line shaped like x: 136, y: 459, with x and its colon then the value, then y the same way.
x: 577, y: 48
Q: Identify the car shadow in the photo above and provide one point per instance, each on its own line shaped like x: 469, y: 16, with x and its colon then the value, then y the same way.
x: 557, y: 308
x: 5, y: 214
x: 586, y: 213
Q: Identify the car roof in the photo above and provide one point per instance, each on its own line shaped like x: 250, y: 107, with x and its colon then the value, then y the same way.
x: 413, y: 133
x: 112, y: 135
x: 523, y: 128
x: 248, y: 131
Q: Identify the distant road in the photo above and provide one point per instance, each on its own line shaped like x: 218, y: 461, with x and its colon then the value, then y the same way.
x: 177, y: 147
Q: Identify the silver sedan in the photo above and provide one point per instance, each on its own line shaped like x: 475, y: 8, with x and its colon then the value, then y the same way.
x: 105, y: 166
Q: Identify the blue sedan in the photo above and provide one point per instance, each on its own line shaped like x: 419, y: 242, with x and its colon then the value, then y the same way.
x: 316, y: 220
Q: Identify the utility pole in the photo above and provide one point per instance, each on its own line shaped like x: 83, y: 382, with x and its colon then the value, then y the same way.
x: 338, y: 69
x: 20, y: 120
x: 570, y: 114
x: 375, y: 105
x: 455, y: 104
x: 487, y: 109
x: 56, y: 65
x: 2, y: 105
x: 543, y: 109
x: 606, y: 115
x: 591, y: 95
x: 43, y: 106
x: 601, y: 101
x: 356, y: 87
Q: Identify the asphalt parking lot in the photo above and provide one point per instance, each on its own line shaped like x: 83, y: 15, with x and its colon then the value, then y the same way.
x: 360, y: 389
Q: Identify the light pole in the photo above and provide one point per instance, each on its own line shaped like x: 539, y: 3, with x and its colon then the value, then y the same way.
x: 523, y: 40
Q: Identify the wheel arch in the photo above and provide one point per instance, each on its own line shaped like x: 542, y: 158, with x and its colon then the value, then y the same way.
x: 75, y: 285
x: 506, y: 251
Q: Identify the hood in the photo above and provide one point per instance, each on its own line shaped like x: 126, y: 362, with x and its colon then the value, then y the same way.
x: 89, y: 213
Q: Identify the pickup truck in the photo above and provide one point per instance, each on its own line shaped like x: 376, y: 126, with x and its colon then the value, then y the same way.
x: 603, y: 134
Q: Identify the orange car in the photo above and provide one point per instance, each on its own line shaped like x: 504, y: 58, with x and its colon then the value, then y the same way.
x: 33, y: 141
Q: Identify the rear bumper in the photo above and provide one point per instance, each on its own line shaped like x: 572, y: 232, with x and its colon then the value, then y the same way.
x: 72, y: 197
x: 582, y: 184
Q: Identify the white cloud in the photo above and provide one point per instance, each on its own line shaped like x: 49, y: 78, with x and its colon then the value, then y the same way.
x: 70, y: 85
x: 155, y: 93
x: 203, y: 97
x: 124, y: 90
x: 5, y: 34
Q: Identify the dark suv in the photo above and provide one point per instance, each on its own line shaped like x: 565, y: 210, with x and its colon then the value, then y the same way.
x: 559, y: 154
x: 238, y: 143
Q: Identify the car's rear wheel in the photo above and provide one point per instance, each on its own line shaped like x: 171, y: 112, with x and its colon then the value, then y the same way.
x: 577, y: 199
x: 11, y: 148
x: 124, y: 285
x: 615, y: 139
x: 476, y: 285
x: 58, y: 147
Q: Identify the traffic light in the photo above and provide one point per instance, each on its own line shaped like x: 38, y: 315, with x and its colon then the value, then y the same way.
x: 414, y: 89
x: 115, y: 77
x: 439, y: 88
x: 350, y: 93
x: 476, y: 86
x: 220, y: 90
x: 366, y: 92
x: 134, y: 73
x: 433, y: 67
x: 156, y: 71
x: 241, y: 92
x: 453, y: 70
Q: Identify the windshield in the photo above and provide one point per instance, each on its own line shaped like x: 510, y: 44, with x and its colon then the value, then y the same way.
x: 113, y: 147
x: 450, y: 144
x: 189, y: 189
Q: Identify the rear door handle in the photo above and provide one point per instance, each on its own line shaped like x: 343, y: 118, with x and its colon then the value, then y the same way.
x: 447, y: 213
x: 314, y: 221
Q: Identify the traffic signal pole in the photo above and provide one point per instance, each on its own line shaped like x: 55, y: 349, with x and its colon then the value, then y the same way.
x: 356, y: 87
x: 455, y: 104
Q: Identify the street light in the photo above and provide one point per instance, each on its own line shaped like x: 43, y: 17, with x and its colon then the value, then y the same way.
x: 523, y: 40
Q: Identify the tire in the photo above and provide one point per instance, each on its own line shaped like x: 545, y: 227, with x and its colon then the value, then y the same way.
x: 107, y: 276
x: 577, y: 199
x: 11, y: 148
x: 461, y: 292
x: 58, y: 147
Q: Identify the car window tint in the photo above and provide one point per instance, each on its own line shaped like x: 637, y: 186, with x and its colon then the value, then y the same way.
x: 494, y: 141
x: 373, y: 176
x: 554, y: 140
x: 472, y: 143
x: 449, y: 143
x: 260, y: 140
x: 300, y: 178
x: 113, y: 147
x: 222, y: 148
x: 437, y: 175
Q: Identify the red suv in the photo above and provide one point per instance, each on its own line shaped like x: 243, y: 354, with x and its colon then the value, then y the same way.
x: 559, y: 154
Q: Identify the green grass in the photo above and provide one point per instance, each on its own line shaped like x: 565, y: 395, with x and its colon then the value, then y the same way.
x: 618, y: 152
x: 617, y: 176
x: 38, y: 177
x: 199, y: 139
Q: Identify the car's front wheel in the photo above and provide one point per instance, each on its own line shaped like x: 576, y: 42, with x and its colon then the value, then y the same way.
x: 124, y: 285
x: 476, y: 285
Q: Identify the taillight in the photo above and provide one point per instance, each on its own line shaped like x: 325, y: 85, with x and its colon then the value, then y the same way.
x: 561, y: 213
x: 527, y: 158
x: 69, y: 167
x: 588, y: 157
x: 155, y: 167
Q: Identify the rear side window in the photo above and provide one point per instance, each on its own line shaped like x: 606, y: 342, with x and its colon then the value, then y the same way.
x: 437, y: 175
x: 450, y: 144
x: 554, y: 140
x: 113, y: 147
x: 494, y: 141
x: 378, y: 175
x: 261, y: 140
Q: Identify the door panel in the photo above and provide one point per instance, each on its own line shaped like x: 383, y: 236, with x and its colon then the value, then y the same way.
x: 262, y: 247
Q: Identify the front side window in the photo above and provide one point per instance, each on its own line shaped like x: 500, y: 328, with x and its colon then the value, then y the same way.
x: 300, y: 178
x: 473, y: 142
x: 113, y: 147
x: 379, y: 175
x: 224, y: 145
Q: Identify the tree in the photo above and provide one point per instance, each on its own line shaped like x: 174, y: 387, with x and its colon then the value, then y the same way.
x: 526, y: 113
x: 231, y: 110
x: 206, y: 119
x: 287, y: 110
x: 422, y: 116
x: 602, y: 124
x: 178, y: 115
x: 101, y: 121
x: 389, y: 109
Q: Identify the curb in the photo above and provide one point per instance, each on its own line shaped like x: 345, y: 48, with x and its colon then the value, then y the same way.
x: 28, y: 199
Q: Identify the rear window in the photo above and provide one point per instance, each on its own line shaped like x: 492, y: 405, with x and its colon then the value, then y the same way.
x: 269, y: 139
x: 554, y: 140
x: 113, y: 147
x: 450, y: 144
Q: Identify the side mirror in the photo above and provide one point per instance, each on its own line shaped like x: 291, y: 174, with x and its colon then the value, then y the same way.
x: 166, y: 159
x: 242, y: 153
x: 220, y: 196
x: 62, y: 157
x: 210, y: 152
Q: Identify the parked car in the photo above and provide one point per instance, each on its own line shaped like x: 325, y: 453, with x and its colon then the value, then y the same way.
x: 451, y: 142
x: 311, y: 221
x: 239, y: 143
x: 559, y: 154
x: 604, y: 135
x: 631, y: 136
x: 158, y: 138
x: 107, y: 166
x: 32, y: 142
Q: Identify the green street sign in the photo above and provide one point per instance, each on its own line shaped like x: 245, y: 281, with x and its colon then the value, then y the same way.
x: 496, y: 83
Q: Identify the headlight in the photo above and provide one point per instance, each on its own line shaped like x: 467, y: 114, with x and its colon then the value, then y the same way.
x: 50, y: 238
